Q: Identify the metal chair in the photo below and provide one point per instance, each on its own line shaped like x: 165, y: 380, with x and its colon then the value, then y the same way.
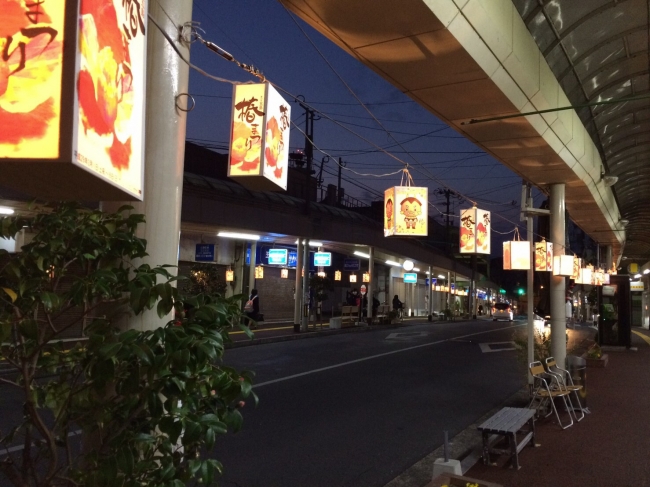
x: 545, y: 394
x: 561, y: 377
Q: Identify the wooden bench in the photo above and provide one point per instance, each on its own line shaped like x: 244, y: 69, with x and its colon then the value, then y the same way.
x: 349, y: 316
x: 507, y: 423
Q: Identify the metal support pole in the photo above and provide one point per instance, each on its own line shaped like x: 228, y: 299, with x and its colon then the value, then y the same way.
x: 449, y: 294
x: 305, y: 287
x: 472, y: 289
x: 297, y: 307
x: 608, y: 257
x: 558, y: 283
x: 251, y: 270
x: 371, y: 287
x: 430, y: 294
x: 165, y: 126
x: 530, y: 291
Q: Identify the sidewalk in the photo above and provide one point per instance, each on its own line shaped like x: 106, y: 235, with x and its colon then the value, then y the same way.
x: 608, y: 448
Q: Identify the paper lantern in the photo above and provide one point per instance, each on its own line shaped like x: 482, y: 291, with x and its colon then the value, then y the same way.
x: 563, y: 265
x: 230, y: 275
x: 366, y: 277
x: 259, y: 272
x: 72, y: 98
x: 475, y: 231
x: 544, y: 256
x: 406, y: 211
x: 598, y: 278
x: 353, y: 278
x: 337, y: 276
x: 259, y: 137
x: 577, y: 265
x: 284, y: 273
x: 516, y: 255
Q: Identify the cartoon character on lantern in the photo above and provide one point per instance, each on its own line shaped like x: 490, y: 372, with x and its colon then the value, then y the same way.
x: 389, y: 212
x: 411, y: 208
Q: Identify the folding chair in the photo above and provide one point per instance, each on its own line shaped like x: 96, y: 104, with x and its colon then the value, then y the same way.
x: 560, y: 374
x: 544, y: 393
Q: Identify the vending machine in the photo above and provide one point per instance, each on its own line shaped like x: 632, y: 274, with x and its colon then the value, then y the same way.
x: 615, y: 305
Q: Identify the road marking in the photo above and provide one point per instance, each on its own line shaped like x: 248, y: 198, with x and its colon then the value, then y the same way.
x: 356, y: 361
x: 262, y: 329
x: 500, y: 347
x: 407, y: 335
x: 645, y: 337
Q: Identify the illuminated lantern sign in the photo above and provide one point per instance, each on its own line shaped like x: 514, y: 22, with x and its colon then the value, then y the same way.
x: 259, y: 137
x: 230, y: 275
x: 73, y: 120
x: 366, y: 277
x: 284, y: 273
x: 544, y: 256
x: 577, y: 264
x: 353, y: 278
x: 474, y: 231
x: 259, y: 272
x: 337, y: 276
x: 563, y: 265
x: 516, y: 255
x: 406, y: 211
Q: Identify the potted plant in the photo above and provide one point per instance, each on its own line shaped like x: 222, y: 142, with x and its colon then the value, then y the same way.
x: 115, y: 407
x: 595, y: 357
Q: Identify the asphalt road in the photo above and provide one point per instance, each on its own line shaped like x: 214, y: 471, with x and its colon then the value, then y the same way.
x: 358, y: 409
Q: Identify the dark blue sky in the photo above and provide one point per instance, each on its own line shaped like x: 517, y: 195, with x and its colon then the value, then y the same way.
x: 263, y: 33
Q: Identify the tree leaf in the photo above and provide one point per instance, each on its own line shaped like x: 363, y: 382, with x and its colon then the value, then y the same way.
x: 11, y: 294
x: 109, y: 350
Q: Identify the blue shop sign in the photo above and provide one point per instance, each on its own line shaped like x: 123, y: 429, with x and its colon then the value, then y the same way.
x: 323, y: 259
x: 351, y: 265
x: 293, y: 258
x: 410, y: 278
x: 204, y: 253
x: 482, y: 295
x: 248, y: 256
x: 277, y: 256
x: 433, y: 280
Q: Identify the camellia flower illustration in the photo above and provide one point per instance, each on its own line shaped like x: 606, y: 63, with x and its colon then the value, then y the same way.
x: 105, y: 80
x: 274, y: 146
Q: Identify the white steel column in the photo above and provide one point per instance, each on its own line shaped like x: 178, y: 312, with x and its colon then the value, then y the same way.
x: 165, y: 124
x: 251, y: 270
x: 297, y: 307
x: 608, y: 257
x: 305, y: 287
x: 558, y: 283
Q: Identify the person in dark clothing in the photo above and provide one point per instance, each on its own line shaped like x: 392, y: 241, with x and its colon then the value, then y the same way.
x: 352, y: 297
x: 252, y: 308
x: 375, y: 305
x: 397, y: 304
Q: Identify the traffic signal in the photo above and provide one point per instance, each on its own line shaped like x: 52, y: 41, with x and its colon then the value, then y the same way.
x: 521, y: 291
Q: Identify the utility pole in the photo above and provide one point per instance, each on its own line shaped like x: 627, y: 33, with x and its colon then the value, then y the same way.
x: 309, y: 149
x: 339, y: 198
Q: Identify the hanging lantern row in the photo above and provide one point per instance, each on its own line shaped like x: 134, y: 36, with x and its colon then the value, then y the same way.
x: 563, y: 265
x: 577, y: 265
x: 366, y: 277
x: 406, y: 209
x: 475, y: 231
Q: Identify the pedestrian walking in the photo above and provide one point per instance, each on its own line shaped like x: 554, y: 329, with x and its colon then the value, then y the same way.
x: 252, y: 308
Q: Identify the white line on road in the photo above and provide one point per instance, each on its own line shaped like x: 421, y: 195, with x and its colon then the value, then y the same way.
x: 350, y: 362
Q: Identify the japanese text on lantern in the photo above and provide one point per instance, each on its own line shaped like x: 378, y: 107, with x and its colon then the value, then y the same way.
x: 475, y: 228
x: 31, y: 43
x: 111, y: 90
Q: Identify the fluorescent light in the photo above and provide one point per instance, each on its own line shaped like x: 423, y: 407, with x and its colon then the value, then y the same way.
x: 440, y: 276
x: 428, y: 272
x: 362, y: 254
x: 637, y: 276
x: 6, y: 211
x: 416, y: 269
x: 392, y: 262
x: 647, y: 271
x: 312, y: 243
x: 408, y: 265
x: 242, y: 236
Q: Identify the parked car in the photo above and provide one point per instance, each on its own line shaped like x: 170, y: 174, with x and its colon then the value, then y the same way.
x: 502, y: 311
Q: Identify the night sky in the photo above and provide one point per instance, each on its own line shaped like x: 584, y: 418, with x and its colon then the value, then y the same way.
x: 264, y: 34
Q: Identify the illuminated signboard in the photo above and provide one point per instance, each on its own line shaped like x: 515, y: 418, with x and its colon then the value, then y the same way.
x: 406, y: 211
x: 322, y: 259
x: 259, y: 137
x: 475, y: 231
x: 82, y: 138
x: 410, y: 277
x: 278, y: 256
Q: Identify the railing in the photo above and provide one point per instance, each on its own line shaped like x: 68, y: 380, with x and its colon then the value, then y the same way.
x: 347, y: 201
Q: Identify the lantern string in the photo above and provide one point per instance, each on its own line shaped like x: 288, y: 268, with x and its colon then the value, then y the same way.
x: 193, y: 30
